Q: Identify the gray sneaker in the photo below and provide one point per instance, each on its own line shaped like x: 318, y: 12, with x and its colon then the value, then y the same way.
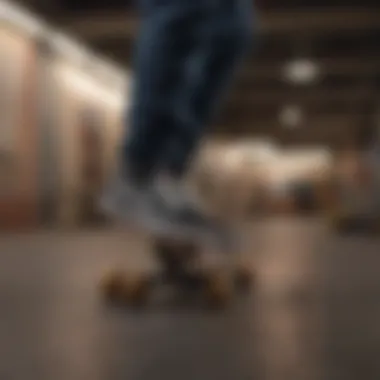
x: 187, y: 212
x: 184, y: 204
x: 164, y: 211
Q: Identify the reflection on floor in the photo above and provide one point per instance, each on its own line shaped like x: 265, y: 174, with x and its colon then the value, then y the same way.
x: 314, y: 314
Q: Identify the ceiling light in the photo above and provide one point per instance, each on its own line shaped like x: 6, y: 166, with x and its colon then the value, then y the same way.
x: 301, y: 71
x: 291, y: 116
x: 21, y: 19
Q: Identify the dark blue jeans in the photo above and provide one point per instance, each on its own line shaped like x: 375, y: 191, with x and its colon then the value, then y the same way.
x: 186, y: 55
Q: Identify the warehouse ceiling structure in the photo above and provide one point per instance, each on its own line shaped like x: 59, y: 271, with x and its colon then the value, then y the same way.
x: 313, y: 78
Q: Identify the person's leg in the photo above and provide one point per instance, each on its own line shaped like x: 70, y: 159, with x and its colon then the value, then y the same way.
x: 166, y: 40
x: 226, y: 36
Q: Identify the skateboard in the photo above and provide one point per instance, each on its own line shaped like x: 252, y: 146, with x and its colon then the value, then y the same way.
x: 180, y: 269
x: 178, y: 254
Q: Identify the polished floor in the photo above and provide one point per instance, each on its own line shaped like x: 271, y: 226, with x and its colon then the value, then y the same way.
x: 314, y: 312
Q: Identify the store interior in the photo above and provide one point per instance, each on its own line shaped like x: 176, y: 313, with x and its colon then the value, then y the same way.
x: 292, y: 163
x: 65, y: 117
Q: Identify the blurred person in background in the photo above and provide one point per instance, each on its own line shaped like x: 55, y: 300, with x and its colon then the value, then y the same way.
x: 187, y: 53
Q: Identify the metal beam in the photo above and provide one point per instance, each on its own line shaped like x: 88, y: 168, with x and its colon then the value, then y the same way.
x: 315, y: 22
x: 309, y: 95
x: 273, y: 118
x: 318, y: 130
x: 328, y: 122
x: 337, y: 67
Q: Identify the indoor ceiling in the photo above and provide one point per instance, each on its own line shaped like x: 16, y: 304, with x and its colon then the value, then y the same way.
x: 314, y: 76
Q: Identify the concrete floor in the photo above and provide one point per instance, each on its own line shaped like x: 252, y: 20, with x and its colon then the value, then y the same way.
x: 314, y: 314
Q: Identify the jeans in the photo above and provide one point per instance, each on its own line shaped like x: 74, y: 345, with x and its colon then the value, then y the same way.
x: 186, y: 55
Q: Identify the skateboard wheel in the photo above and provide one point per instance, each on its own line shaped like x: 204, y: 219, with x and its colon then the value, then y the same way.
x: 119, y: 287
x: 218, y: 290
x: 135, y: 290
x: 112, y: 285
x: 243, y: 279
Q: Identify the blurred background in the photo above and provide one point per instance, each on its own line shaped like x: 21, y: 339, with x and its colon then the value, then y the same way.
x: 294, y: 136
x: 295, y: 154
